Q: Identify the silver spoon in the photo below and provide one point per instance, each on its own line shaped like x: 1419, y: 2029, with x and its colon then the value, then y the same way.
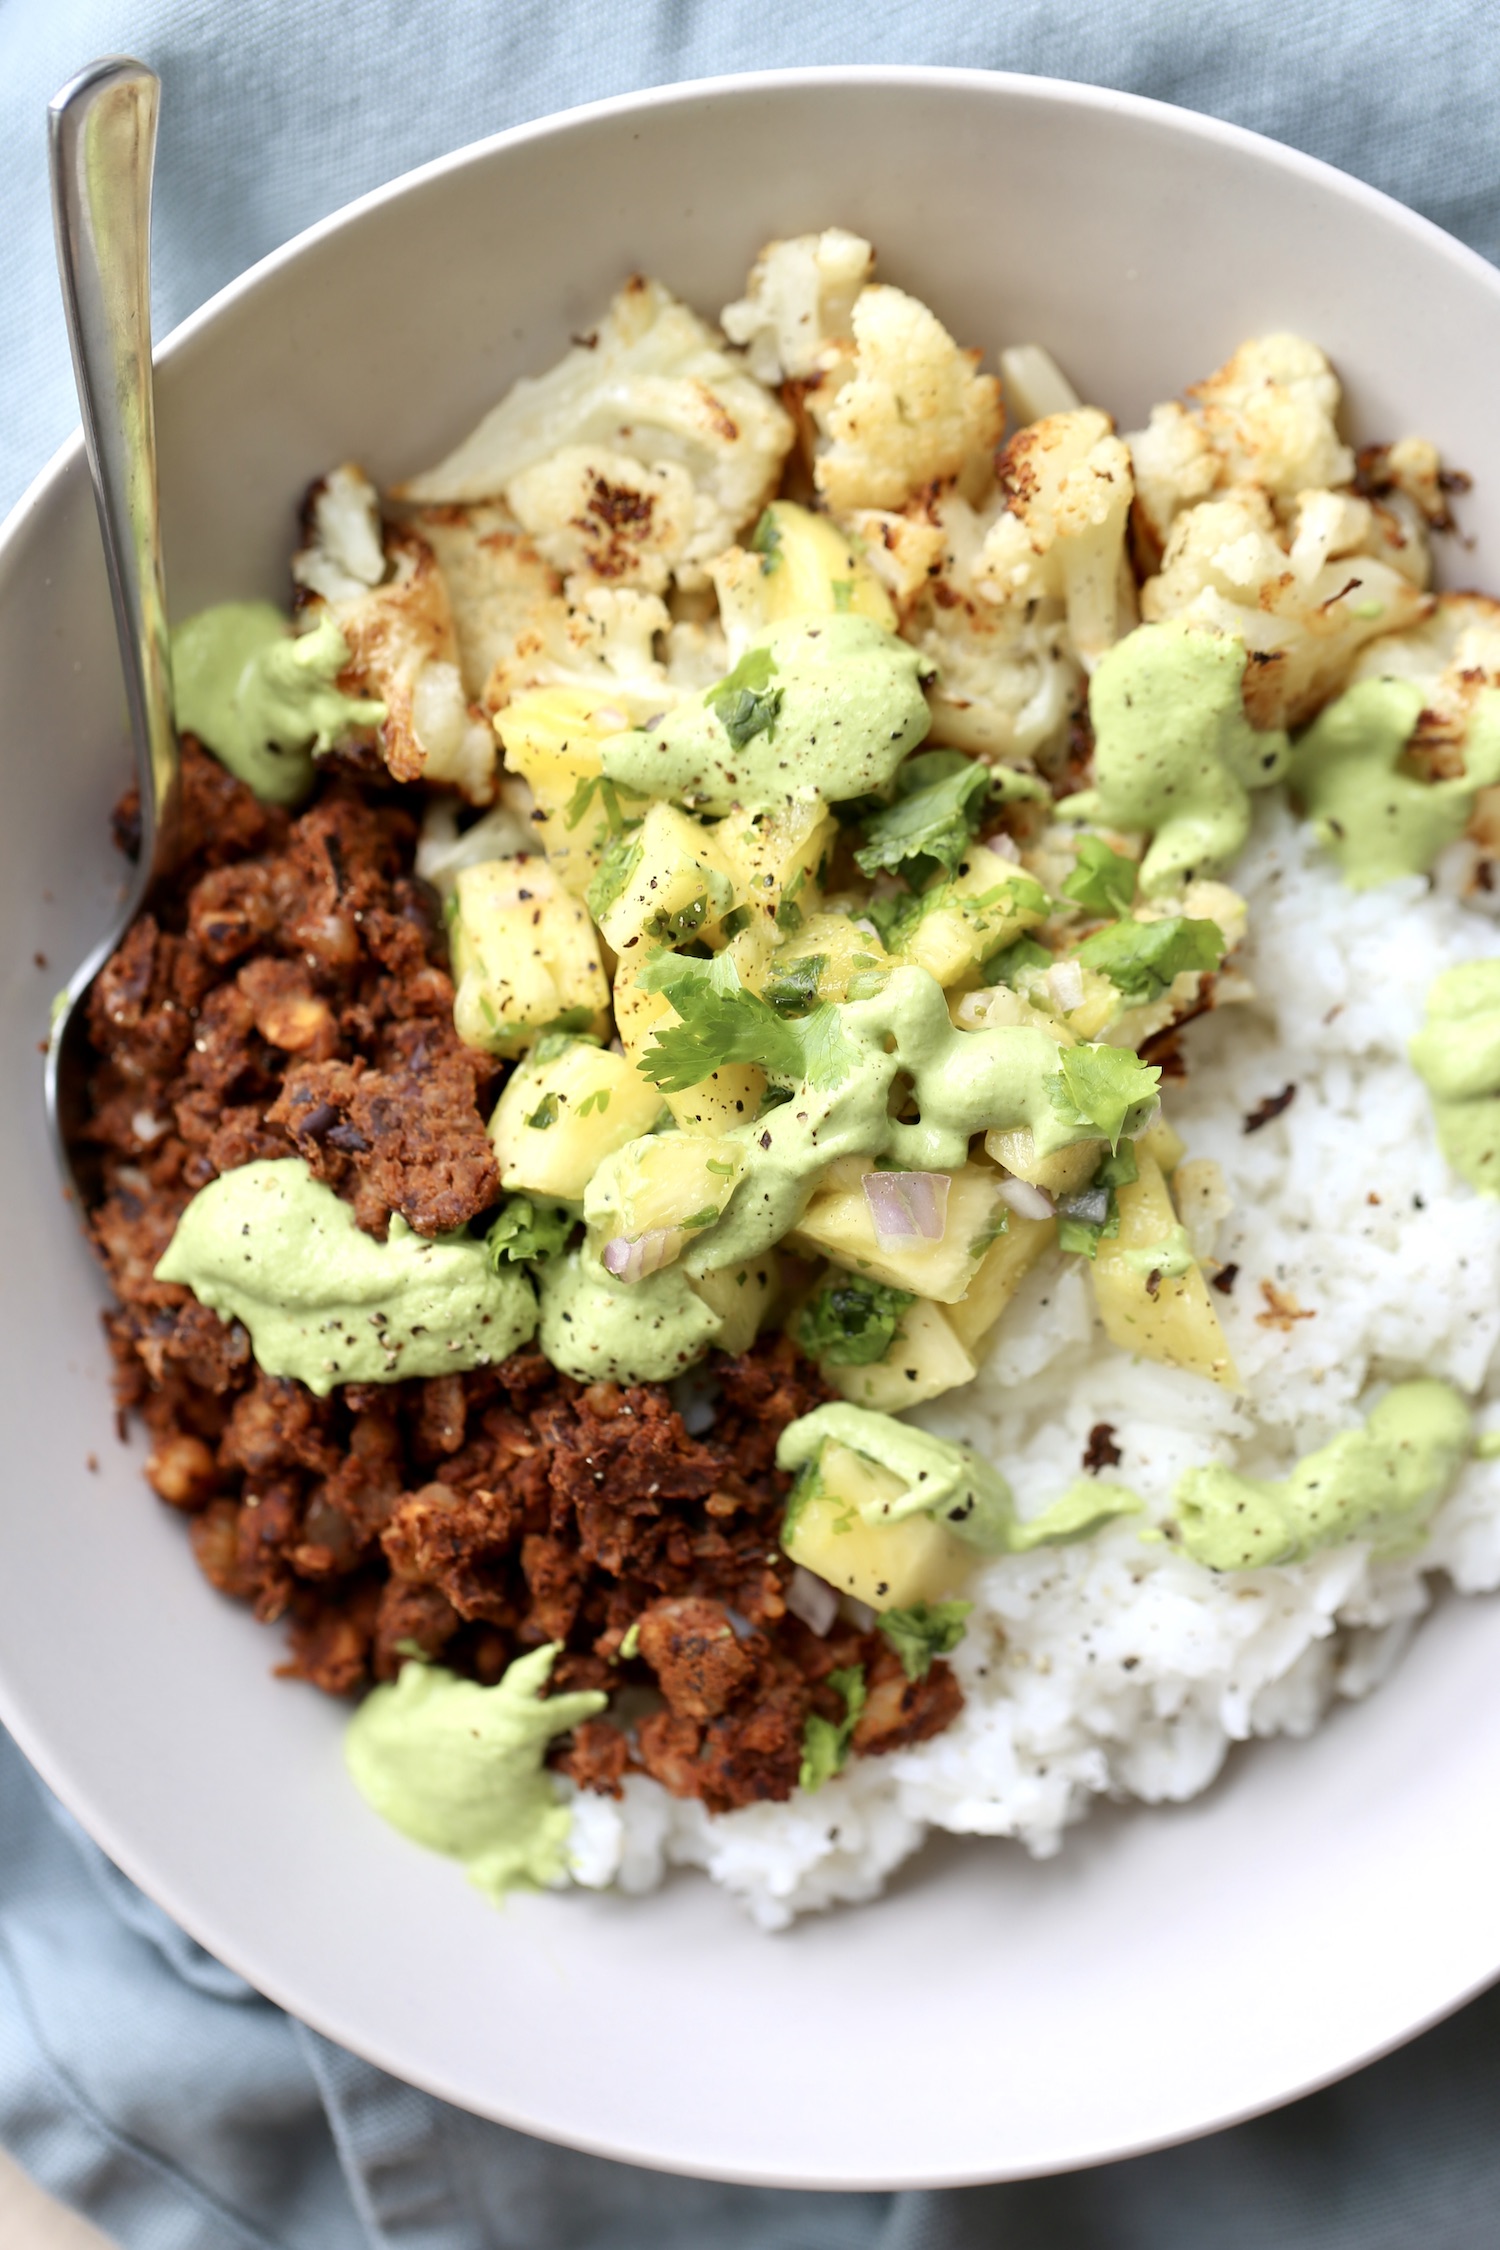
x: 102, y: 145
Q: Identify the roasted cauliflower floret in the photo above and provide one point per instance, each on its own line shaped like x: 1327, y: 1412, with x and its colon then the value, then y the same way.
x: 1453, y: 656
x: 908, y: 410
x: 495, y: 579
x: 604, y: 515
x: 1303, y: 613
x: 1067, y: 487
x: 799, y: 302
x: 400, y: 634
x: 1266, y: 417
x: 654, y: 388
x: 591, y: 637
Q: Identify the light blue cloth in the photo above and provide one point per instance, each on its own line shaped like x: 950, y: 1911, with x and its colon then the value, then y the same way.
x: 138, y: 2079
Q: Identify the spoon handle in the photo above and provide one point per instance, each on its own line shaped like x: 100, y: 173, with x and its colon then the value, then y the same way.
x: 102, y: 144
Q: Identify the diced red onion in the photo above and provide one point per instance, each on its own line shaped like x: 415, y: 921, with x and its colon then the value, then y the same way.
x: 633, y: 1261
x: 1026, y: 1201
x: 1064, y: 982
x: 1002, y: 845
x: 813, y: 1600
x: 858, y: 1614
x: 908, y: 1206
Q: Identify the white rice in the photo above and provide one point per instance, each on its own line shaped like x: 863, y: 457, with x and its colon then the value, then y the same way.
x: 1119, y: 1667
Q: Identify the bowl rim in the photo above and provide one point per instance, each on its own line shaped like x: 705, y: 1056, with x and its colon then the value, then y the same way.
x: 43, y: 489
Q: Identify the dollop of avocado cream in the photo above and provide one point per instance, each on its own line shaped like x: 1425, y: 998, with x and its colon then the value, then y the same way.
x: 832, y: 700
x: 458, y: 1767
x: 1380, y: 1483
x: 944, y: 1478
x: 269, y: 1245
x: 1377, y: 821
x: 963, y: 1082
x: 599, y: 1330
x: 1457, y: 1053
x: 1174, y: 753
x: 261, y: 700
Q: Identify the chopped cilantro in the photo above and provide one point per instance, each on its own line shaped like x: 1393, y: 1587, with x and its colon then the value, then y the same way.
x: 842, y: 590
x: 526, y: 1231
x: 1103, y: 880
x: 590, y: 786
x: 573, y: 1023
x: 630, y: 1646
x: 792, y: 990
x: 825, y: 1746
x: 765, y: 541
x: 597, y: 1100
x: 723, y: 1023
x: 850, y: 1322
x: 555, y: 1043
x: 941, y: 796
x: 622, y: 856
x: 789, y: 916
x: 926, y: 1630
x: 1096, y: 1088
x: 544, y: 1114
x: 737, y: 919
x: 1005, y: 966
x: 1142, y: 958
x: 676, y: 928
x: 744, y: 703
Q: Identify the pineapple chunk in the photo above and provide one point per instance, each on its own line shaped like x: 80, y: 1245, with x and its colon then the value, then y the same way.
x: 1165, y: 1147
x: 888, y: 1564
x: 1064, y: 1172
x: 837, y: 1224
x: 673, y: 886
x: 742, y: 1296
x: 775, y: 859
x: 800, y: 565
x: 525, y: 958
x: 1006, y: 1264
x: 563, y: 1111
x: 925, y: 1359
x: 552, y: 738
x: 1177, y: 1323
x: 959, y: 922
x: 840, y: 947
x: 666, y: 1180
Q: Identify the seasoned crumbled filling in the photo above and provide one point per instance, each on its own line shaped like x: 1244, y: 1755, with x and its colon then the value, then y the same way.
x: 289, y: 996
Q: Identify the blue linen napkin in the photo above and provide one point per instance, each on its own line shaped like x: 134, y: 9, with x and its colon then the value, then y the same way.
x: 141, y: 2081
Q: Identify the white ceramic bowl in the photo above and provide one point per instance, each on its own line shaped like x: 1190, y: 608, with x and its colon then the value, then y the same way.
x: 990, y: 2017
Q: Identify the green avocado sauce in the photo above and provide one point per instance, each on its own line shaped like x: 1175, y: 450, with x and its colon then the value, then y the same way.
x: 963, y: 1082
x: 599, y: 1330
x: 826, y: 703
x: 324, y: 1303
x: 1174, y: 753
x: 1377, y: 821
x: 1457, y: 1053
x: 261, y: 700
x: 944, y: 1478
x: 458, y: 1767
x: 1380, y: 1483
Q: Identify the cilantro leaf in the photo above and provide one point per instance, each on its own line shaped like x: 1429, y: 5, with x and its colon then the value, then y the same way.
x: 1096, y: 1088
x: 1103, y: 880
x: 940, y: 803
x: 722, y: 1022
x: 850, y: 1322
x: 527, y: 1230
x: 793, y: 988
x: 765, y: 541
x: 1005, y: 966
x: 926, y: 1630
x: 594, y: 785
x: 1142, y: 958
x: 825, y: 1746
x: 622, y: 856
x: 744, y: 702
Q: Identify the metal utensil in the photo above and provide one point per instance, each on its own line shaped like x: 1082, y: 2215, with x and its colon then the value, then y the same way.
x: 102, y: 146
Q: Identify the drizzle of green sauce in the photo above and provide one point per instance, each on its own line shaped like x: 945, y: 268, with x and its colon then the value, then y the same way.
x: 946, y: 1479
x: 963, y: 1082
x: 831, y: 703
x: 269, y: 1245
x: 261, y: 700
x: 599, y: 1330
x: 1380, y: 1483
x: 1378, y: 822
x: 1174, y: 753
x: 1457, y: 1053
x: 458, y: 1767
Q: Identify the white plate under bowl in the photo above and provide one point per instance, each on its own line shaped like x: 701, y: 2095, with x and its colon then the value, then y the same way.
x: 990, y: 2017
